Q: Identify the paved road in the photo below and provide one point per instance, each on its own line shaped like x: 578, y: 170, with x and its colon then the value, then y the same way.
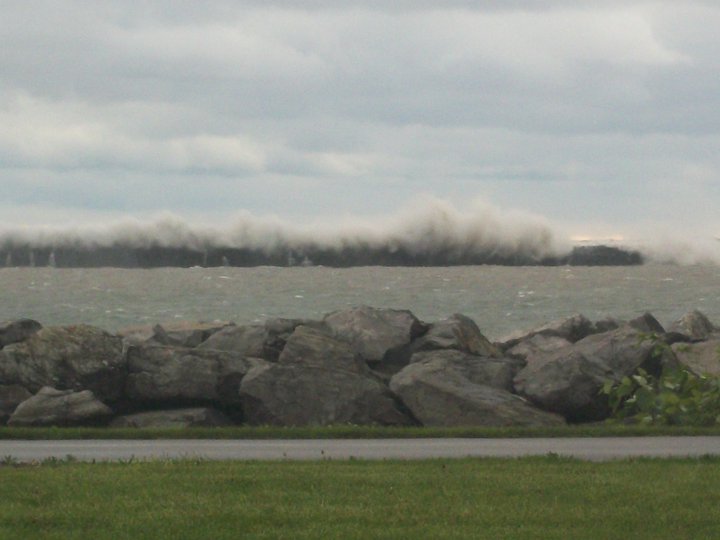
x: 584, y: 448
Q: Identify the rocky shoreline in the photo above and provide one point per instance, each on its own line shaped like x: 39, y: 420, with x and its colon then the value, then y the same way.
x: 364, y: 366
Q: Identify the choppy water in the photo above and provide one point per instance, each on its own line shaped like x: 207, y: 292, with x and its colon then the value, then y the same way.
x: 500, y: 299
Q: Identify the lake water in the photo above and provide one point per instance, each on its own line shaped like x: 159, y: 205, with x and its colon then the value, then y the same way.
x: 500, y: 299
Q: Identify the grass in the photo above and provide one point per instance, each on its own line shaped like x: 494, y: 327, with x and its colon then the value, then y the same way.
x: 547, y: 497
x: 353, y: 432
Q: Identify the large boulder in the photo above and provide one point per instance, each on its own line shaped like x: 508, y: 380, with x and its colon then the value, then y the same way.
x: 495, y: 372
x: 311, y: 347
x: 568, y: 381
x: 450, y: 388
x: 78, y: 357
x: 11, y: 395
x: 380, y: 336
x: 694, y: 326
x: 278, y: 331
x: 573, y: 328
x: 296, y: 394
x: 319, y: 379
x: 184, y: 376
x: 246, y: 340
x: 265, y: 340
x: 702, y: 358
x: 174, y: 418
x: 457, y: 332
x: 52, y: 407
x: 537, y: 344
x: 647, y: 324
x: 17, y: 330
x: 173, y: 333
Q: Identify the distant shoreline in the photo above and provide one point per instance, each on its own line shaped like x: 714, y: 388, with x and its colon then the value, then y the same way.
x: 156, y: 256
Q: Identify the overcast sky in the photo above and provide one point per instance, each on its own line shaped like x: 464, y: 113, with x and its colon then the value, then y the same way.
x: 601, y: 116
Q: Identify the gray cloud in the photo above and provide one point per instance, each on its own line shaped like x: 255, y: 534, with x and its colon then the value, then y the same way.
x: 600, y: 117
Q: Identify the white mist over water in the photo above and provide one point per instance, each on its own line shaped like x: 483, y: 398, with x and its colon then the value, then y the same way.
x: 425, y: 225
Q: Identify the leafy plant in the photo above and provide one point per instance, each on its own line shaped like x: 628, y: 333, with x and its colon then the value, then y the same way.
x: 677, y: 397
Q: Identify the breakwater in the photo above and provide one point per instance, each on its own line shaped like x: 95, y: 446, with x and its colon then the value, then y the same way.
x: 360, y: 365
x: 23, y: 254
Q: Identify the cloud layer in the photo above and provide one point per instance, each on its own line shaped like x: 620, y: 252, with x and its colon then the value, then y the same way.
x: 604, y: 117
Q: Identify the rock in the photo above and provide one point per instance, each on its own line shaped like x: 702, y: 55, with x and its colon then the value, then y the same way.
x: 176, y: 375
x: 449, y: 388
x: 318, y: 380
x: 694, y: 325
x: 311, y: 347
x: 17, y: 330
x: 301, y: 395
x: 606, y: 325
x: 174, y: 418
x: 573, y: 328
x: 258, y: 340
x: 568, y: 381
x: 456, y: 332
x: 701, y: 358
x: 279, y: 330
x: 646, y: 324
x: 11, y: 395
x: 495, y: 372
x: 67, y: 358
x: 537, y: 344
x: 173, y: 333
x: 248, y: 340
x: 379, y: 336
x: 52, y: 407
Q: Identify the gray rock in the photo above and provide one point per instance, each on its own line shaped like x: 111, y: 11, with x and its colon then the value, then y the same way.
x: 379, y: 336
x: 495, y: 372
x: 189, y: 335
x: 537, y: 344
x: 647, y: 324
x: 701, y: 358
x: 568, y: 381
x: 68, y: 358
x: 452, y: 391
x: 17, y: 330
x: 174, y: 418
x: 258, y: 340
x: 173, y: 333
x: 301, y: 395
x: 52, y: 407
x: 456, y: 332
x: 11, y: 395
x: 248, y: 340
x: 606, y: 325
x: 278, y: 331
x: 314, y: 348
x: 175, y: 375
x: 573, y: 328
x: 694, y: 325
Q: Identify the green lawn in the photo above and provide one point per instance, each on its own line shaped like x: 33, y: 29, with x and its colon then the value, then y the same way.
x: 472, y: 498
x: 353, y: 432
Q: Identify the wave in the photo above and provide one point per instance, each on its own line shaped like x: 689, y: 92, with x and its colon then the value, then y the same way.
x: 429, y: 232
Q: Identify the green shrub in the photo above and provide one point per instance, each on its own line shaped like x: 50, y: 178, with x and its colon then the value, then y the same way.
x: 677, y: 397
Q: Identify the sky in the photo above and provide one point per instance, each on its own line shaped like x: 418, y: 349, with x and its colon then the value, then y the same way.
x: 601, y: 119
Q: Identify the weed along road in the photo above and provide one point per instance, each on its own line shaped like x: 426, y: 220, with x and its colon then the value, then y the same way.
x: 590, y: 448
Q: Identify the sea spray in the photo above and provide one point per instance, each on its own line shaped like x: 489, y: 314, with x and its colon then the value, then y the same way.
x: 429, y: 232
